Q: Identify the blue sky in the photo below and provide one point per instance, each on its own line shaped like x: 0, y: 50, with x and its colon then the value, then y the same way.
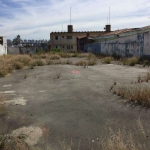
x: 35, y: 19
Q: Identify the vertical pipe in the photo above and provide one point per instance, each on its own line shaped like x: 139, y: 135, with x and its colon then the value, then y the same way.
x: 109, y: 15
x: 70, y: 15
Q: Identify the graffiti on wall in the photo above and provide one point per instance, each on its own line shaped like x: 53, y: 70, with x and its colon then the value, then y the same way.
x: 134, y: 45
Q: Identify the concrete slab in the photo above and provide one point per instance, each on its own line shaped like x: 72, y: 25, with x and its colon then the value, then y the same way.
x: 70, y: 110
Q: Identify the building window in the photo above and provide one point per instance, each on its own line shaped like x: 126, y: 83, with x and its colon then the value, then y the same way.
x: 69, y: 47
x: 56, y: 47
x: 62, y: 36
x: 63, y: 46
x: 56, y: 37
x: 69, y: 37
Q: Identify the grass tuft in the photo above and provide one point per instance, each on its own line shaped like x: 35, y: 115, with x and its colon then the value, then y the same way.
x: 107, y: 60
x: 54, y: 57
x: 81, y: 63
x: 130, y: 61
x: 136, y: 94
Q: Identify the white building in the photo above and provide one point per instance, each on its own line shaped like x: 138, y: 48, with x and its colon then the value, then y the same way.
x: 3, y: 45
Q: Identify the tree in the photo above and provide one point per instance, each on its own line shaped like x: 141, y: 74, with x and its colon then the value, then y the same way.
x: 17, y: 40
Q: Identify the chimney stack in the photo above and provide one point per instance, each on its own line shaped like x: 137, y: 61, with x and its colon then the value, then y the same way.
x: 108, y: 28
x: 70, y: 28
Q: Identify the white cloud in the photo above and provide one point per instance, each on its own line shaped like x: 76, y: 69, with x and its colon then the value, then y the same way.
x: 36, y: 19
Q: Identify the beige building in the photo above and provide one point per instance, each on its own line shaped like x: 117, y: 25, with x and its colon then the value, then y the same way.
x: 67, y: 41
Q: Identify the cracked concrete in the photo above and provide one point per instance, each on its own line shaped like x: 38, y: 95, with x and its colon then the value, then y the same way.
x: 71, y: 109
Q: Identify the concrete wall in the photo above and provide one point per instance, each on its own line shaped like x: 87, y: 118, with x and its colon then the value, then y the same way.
x: 132, y: 45
x: 22, y: 50
x: 3, y: 47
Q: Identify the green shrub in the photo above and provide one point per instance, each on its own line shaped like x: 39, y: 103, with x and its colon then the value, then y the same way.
x: 39, y: 51
x: 55, y: 50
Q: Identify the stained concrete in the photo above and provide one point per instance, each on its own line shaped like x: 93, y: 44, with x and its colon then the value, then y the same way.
x: 74, y: 112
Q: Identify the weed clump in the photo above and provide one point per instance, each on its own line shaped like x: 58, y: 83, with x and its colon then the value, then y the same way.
x: 54, y: 57
x: 138, y: 95
x: 65, y: 55
x: 122, y: 140
x: 37, y: 62
x: 92, y: 62
x: 130, y: 61
x: 107, y: 60
x: 81, y: 63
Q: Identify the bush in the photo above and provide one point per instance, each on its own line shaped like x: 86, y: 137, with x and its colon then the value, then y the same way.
x: 130, y: 61
x: 107, y: 60
x: 18, y: 65
x: 55, y: 50
x: 25, y: 59
x: 39, y: 51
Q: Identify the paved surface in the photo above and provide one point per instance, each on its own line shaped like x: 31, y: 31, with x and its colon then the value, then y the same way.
x: 68, y: 111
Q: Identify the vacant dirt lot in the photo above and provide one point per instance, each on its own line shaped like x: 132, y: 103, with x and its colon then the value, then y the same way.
x: 57, y: 110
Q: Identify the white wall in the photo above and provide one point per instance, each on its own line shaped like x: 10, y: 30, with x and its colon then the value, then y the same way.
x: 3, y: 48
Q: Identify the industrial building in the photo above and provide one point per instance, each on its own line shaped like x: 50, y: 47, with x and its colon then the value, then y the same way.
x: 68, y: 41
x: 125, y: 42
